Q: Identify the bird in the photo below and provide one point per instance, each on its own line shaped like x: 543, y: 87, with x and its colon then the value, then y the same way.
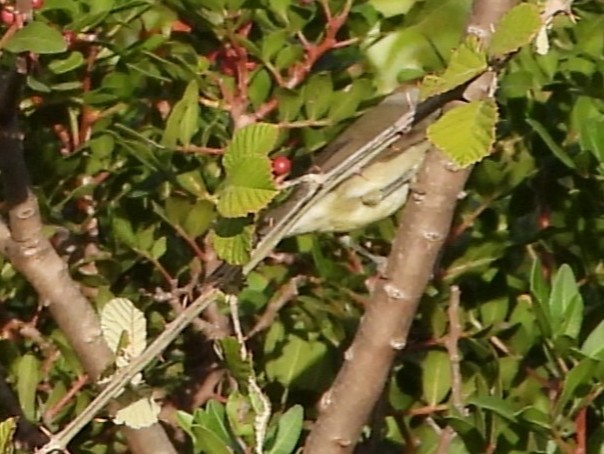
x: 378, y: 189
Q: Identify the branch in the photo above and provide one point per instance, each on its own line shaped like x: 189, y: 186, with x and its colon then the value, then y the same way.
x: 385, y: 326
x: 23, y: 243
x: 123, y: 377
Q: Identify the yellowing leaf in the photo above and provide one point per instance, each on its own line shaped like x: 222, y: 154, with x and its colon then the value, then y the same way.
x: 139, y: 414
x: 515, y: 29
x: 467, y: 62
x: 466, y: 133
x: 7, y: 431
x: 125, y: 329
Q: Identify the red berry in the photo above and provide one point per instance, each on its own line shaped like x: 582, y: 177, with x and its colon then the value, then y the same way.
x: 37, y: 4
x: 281, y: 165
x: 69, y: 36
x: 7, y: 17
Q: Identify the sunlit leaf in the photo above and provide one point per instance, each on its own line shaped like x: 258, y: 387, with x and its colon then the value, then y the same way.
x: 28, y: 372
x: 436, y: 377
x: 139, y: 414
x: 466, y: 133
x: 467, y: 62
x: 124, y: 328
x: 517, y: 28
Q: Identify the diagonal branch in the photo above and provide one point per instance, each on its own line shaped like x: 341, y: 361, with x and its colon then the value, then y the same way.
x: 29, y: 251
x: 384, y: 328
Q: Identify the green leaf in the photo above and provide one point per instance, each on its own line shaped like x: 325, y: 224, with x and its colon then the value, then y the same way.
x: 38, y: 38
x: 558, y: 151
x: 28, y: 374
x: 541, y: 291
x: 517, y: 28
x: 192, y: 182
x: 345, y: 103
x: 72, y: 61
x: 257, y: 139
x: 183, y: 122
x: 298, y: 363
x: 240, y: 369
x: 495, y: 404
x: 240, y: 414
x: 272, y: 43
x: 207, y: 441
x: 289, y: 104
x: 215, y: 420
x: 159, y: 248
x: 318, y: 95
x: 466, y: 133
x: 592, y: 137
x: 232, y: 240
x: 194, y: 218
x: 536, y: 417
x: 289, y: 429
x: 594, y: 344
x: 565, y: 304
x: 249, y: 187
x: 467, y: 62
x: 579, y: 376
x: 436, y: 377
x: 7, y: 431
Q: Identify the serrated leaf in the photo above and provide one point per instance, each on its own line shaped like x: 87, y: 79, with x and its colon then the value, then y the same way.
x: 436, y: 377
x: 466, y: 133
x: 38, y: 38
x: 467, y: 62
x: 257, y: 139
x: 28, y: 372
x: 516, y: 28
x: 232, y: 240
x: 7, y: 431
x: 249, y: 187
x: 289, y: 429
x: 124, y: 328
x: 139, y: 414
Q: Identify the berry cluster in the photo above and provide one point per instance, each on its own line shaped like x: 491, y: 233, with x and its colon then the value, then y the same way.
x: 8, y: 15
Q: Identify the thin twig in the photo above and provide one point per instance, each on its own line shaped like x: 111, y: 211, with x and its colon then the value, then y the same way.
x: 123, y: 377
x: 451, y: 343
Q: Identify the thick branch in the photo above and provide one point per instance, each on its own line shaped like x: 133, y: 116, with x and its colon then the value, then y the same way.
x: 25, y: 245
x: 384, y: 328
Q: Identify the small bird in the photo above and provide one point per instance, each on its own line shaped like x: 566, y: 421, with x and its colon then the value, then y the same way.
x: 379, y: 188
